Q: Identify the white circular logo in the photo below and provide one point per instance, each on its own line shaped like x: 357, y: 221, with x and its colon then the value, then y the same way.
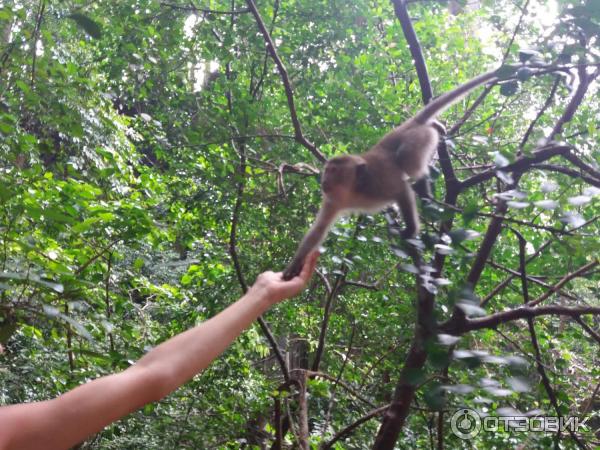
x: 465, y: 423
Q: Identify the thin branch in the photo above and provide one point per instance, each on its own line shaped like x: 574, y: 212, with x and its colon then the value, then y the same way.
x: 350, y: 428
x: 338, y: 381
x: 530, y: 278
x: 193, y: 8
x: 584, y: 82
x: 456, y: 127
x: 588, y: 329
x: 254, y: 91
x: 534, y: 341
x: 540, y: 113
x: 96, y: 256
x: 522, y: 350
x: 506, y: 219
x: 579, y: 272
x: 371, y: 287
x: 591, y: 401
x: 567, y: 171
x: 516, y: 30
x: 345, y: 386
x: 241, y: 174
x: 34, y: 38
x: 542, y: 247
x: 289, y: 92
x: 573, y: 159
x: 325, y: 322
x: 236, y: 263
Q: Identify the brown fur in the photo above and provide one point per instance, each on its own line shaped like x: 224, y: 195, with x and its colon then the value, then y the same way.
x: 373, y: 180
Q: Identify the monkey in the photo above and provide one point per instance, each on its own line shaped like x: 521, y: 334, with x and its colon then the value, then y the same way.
x: 371, y: 181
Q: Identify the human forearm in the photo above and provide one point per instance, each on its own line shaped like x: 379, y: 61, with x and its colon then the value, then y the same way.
x: 67, y: 420
x: 190, y: 352
x: 90, y: 407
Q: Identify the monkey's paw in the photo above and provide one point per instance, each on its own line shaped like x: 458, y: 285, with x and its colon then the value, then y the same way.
x: 292, y: 270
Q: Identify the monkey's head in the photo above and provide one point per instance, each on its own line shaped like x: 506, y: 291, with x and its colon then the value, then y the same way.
x: 343, y: 176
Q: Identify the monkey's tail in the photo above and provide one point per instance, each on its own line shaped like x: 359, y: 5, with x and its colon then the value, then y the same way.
x: 444, y: 101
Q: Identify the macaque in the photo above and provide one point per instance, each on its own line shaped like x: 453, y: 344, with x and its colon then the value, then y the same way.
x: 371, y: 181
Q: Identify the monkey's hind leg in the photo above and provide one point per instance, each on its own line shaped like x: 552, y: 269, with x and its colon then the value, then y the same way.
x: 407, y: 203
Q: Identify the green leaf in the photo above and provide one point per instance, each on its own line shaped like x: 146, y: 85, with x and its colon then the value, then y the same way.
x: 89, y: 26
x: 5, y: 14
x: 23, y: 86
x: 470, y: 212
x: 5, y: 192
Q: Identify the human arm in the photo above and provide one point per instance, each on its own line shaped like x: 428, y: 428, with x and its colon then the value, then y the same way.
x: 67, y: 420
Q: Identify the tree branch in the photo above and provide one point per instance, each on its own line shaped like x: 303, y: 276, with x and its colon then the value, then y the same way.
x: 534, y: 341
x: 325, y: 322
x: 520, y: 165
x: 584, y: 83
x: 587, y: 328
x: 492, y: 321
x: 540, y: 113
x: 573, y: 159
x: 236, y: 263
x: 563, y: 281
x: 567, y: 171
x: 193, y: 8
x: 299, y: 136
x: 346, y: 431
x: 542, y: 247
x: 415, y: 49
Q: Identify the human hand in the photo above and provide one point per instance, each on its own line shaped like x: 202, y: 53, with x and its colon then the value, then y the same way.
x: 272, y: 286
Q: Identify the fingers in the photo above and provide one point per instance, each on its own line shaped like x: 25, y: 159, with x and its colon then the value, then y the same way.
x: 309, y: 265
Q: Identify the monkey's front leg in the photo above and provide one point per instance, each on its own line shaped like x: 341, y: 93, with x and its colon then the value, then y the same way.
x: 311, y: 240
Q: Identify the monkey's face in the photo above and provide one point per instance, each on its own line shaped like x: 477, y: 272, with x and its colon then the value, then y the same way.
x: 340, y: 176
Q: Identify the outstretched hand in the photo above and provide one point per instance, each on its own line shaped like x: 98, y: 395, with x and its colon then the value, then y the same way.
x: 272, y: 285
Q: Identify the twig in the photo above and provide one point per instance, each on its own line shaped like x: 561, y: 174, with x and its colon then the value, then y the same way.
x: 345, y: 386
x: 573, y: 159
x: 470, y: 110
x: 516, y: 30
x: 584, y: 82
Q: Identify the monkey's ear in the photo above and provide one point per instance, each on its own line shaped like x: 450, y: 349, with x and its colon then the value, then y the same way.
x: 363, y: 177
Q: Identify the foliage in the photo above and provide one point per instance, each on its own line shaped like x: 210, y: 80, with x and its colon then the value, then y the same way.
x: 145, y: 146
